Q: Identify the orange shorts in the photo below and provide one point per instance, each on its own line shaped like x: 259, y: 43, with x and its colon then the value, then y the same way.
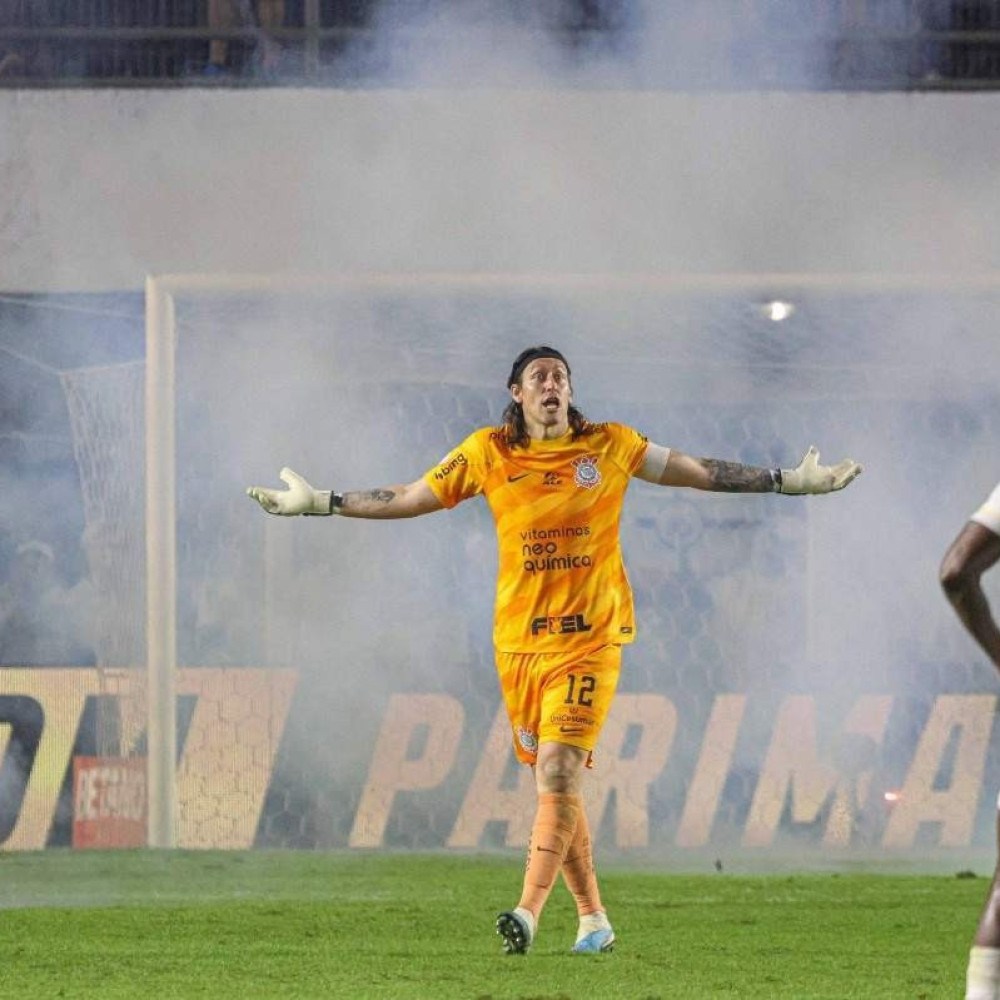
x: 558, y: 697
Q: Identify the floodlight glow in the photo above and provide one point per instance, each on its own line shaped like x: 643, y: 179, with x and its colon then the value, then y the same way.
x: 777, y: 310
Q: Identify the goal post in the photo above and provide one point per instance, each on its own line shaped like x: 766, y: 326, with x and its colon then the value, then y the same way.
x: 161, y: 564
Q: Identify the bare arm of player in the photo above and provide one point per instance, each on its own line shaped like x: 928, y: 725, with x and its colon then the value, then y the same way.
x: 410, y: 500
x: 970, y: 555
x: 388, y: 502
x: 669, y: 467
x: 715, y: 475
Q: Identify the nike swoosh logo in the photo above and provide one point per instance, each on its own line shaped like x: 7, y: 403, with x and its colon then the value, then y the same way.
x: 514, y: 479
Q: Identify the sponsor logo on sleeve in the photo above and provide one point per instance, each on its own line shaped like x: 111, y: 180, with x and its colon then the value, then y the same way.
x: 449, y: 467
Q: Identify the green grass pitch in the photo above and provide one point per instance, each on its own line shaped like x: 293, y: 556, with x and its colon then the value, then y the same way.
x: 354, y: 926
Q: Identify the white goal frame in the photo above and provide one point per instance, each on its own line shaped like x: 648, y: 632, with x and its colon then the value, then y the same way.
x: 160, y: 441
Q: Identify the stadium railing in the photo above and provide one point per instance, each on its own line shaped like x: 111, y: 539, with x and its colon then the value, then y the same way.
x: 909, y: 45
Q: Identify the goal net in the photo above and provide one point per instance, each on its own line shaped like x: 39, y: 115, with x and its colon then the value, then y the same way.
x: 106, y: 408
x: 361, y: 381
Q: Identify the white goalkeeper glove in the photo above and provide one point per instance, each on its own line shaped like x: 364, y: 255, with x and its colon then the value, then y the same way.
x: 811, y: 477
x: 299, y: 498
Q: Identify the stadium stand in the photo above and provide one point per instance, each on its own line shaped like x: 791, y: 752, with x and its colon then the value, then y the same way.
x: 755, y: 44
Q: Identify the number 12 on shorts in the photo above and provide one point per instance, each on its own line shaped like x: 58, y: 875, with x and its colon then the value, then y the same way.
x: 580, y: 690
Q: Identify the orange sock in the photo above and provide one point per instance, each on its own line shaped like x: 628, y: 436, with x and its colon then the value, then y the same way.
x: 551, y: 835
x: 578, y: 870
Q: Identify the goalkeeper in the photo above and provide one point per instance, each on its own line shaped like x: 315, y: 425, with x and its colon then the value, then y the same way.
x: 555, y: 483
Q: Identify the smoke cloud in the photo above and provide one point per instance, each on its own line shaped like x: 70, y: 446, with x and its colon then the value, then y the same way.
x: 483, y: 143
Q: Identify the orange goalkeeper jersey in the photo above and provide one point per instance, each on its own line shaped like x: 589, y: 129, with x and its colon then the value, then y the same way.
x: 557, y: 506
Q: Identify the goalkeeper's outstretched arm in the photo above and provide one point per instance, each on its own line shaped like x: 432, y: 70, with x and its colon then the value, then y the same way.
x: 387, y: 502
x: 669, y: 467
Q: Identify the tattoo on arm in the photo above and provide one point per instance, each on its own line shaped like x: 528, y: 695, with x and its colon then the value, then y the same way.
x: 387, y: 502
x: 367, y: 499
x: 733, y: 477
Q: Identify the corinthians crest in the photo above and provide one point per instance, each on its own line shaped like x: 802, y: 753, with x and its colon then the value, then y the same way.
x: 527, y: 739
x: 587, y: 473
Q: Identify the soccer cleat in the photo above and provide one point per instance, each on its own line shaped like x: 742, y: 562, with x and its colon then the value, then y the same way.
x: 594, y: 935
x: 517, y: 930
x: 601, y: 940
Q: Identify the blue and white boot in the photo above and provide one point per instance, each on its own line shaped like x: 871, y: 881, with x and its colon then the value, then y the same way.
x: 594, y: 935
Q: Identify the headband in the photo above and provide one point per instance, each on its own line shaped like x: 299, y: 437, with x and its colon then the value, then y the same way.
x: 532, y: 354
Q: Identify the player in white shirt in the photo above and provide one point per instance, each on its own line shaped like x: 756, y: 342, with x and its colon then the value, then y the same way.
x: 975, y: 550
